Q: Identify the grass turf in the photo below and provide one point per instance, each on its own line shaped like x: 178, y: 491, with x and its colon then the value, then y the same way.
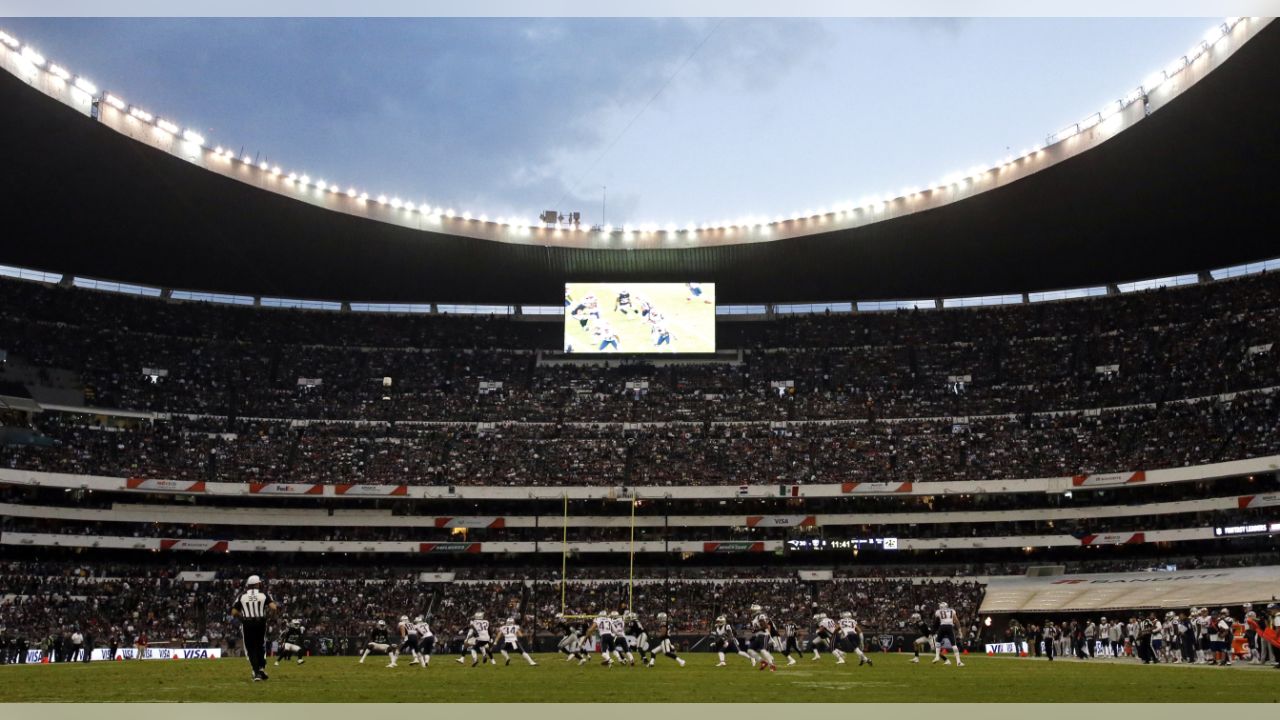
x: 892, y: 679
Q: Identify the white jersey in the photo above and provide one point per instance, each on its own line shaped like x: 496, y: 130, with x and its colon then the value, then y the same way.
x: 724, y: 632
x: 510, y: 633
x: 945, y: 616
x: 828, y: 624
x: 423, y: 629
x: 604, y: 626
x: 481, y: 629
x: 848, y: 627
x: 406, y: 629
x: 619, y: 626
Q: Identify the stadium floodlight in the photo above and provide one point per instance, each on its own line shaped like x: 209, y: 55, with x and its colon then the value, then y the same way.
x: 321, y: 185
x: 275, y: 170
x: 364, y: 197
x: 217, y: 150
x: 1154, y: 80
x: 114, y: 102
x: 410, y: 207
x: 626, y: 229
x: 669, y: 229
x: 351, y: 192
x: 438, y: 211
x: 1175, y: 67
x: 30, y: 55
x: 9, y: 40
x: 86, y: 86
x: 292, y: 177
x: 483, y: 218
x: 59, y: 72
x: 1110, y: 109
x: 396, y: 203
x: 141, y: 114
x: 193, y: 137
x: 691, y: 228
x: 249, y: 161
x: 382, y: 199
x: 305, y: 179
x: 167, y: 126
x: 466, y: 215
x: 449, y: 213
x: 1090, y: 121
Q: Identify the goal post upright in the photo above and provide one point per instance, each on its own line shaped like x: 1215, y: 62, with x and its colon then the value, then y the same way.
x: 564, y: 555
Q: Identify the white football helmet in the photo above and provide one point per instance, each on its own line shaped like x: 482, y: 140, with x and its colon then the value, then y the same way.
x: 478, y: 616
x: 603, y: 614
x: 817, y: 617
x: 662, y: 617
x: 756, y: 609
x: 722, y: 619
x: 404, y: 618
x: 613, y: 614
x: 382, y: 623
x: 942, y: 606
x: 511, y: 621
x: 846, y: 615
x: 418, y: 619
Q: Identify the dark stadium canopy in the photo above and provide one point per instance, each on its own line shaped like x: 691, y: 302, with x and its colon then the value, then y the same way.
x: 1190, y: 188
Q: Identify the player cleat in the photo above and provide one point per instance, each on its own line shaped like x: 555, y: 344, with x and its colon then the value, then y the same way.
x: 474, y: 663
x: 915, y: 660
x: 277, y: 663
x: 862, y: 661
x: 680, y: 662
x: 721, y: 664
x: 840, y: 661
x: 460, y: 661
x: 791, y: 661
x: 582, y: 662
x: 507, y: 663
x: 947, y: 662
x: 391, y: 665
x: 936, y: 660
x: 958, y: 663
x: 301, y: 660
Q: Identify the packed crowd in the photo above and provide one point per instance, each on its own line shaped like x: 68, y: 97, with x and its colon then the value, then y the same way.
x: 246, y: 362
x: 1006, y: 447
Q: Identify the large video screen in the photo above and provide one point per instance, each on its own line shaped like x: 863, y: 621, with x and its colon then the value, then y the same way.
x: 639, y: 318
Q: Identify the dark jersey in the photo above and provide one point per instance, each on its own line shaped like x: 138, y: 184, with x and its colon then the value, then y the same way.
x: 291, y: 635
x: 635, y: 629
x: 379, y: 635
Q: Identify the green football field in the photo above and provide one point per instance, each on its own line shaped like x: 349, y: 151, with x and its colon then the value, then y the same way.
x: 892, y: 679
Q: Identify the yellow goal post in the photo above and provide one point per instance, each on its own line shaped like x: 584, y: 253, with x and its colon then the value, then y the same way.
x: 564, y: 559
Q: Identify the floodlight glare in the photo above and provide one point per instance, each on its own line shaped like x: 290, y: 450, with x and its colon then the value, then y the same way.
x: 33, y: 57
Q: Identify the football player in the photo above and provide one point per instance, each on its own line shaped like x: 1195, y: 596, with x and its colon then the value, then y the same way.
x: 508, y: 641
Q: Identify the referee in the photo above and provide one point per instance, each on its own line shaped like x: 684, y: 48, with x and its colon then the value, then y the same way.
x: 251, y: 607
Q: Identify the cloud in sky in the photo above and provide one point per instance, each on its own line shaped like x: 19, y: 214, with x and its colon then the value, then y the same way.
x: 509, y: 116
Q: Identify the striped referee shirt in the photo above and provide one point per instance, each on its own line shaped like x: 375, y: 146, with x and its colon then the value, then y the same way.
x: 253, y: 604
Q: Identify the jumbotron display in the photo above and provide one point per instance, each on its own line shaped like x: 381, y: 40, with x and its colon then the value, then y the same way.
x: 639, y: 318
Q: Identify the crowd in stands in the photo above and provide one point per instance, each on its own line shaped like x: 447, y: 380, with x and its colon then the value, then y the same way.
x: 244, y: 362
x: 1027, y: 446
x: 166, y: 611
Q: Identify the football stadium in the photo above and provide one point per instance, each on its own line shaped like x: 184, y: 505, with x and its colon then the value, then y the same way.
x: 1011, y: 436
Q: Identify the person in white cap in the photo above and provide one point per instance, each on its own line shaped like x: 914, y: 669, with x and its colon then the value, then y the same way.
x: 252, y: 607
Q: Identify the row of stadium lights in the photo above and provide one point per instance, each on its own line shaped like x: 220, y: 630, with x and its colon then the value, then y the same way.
x: 84, y: 91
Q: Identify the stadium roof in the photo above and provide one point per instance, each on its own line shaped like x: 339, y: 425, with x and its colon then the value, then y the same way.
x: 1187, y: 188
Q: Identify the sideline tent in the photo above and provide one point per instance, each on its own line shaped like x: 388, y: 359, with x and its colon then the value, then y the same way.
x: 1137, y: 590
